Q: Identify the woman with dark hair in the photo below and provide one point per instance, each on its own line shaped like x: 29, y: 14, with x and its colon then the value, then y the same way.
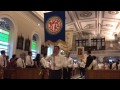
x: 37, y: 61
x: 13, y: 61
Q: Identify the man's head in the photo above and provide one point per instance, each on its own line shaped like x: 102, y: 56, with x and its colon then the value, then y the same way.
x: 88, y: 52
x: 56, y: 49
x: 30, y: 53
x: 3, y: 52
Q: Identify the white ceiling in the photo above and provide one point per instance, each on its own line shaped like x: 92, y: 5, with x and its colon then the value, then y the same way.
x: 105, y: 23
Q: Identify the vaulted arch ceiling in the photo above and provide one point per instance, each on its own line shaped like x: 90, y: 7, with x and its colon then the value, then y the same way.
x: 104, y: 23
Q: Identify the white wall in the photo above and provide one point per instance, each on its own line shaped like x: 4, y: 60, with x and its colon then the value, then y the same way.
x: 26, y: 24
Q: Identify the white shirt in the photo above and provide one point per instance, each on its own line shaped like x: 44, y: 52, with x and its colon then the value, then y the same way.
x: 95, y: 65
x: 82, y: 64
x: 68, y: 62
x: 107, y: 66
x: 20, y: 63
x: 114, y: 66
x: 29, y: 61
x: 75, y: 65
x: 2, y: 61
x: 58, y: 60
x: 100, y: 66
x: 119, y: 66
x: 44, y: 63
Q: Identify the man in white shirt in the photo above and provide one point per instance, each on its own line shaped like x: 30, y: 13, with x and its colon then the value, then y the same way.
x: 29, y: 60
x: 3, y: 62
x: 114, y: 66
x: 56, y: 65
x: 20, y: 61
x: 119, y: 66
x: 82, y: 68
x: 44, y: 66
x: 67, y: 66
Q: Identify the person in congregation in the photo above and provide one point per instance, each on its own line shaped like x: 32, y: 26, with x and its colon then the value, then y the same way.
x: 107, y: 65
x: 37, y: 61
x: 119, y: 65
x: 75, y: 67
x: 89, y: 60
x: 13, y: 61
x: 101, y: 65
x: 114, y: 65
x: 44, y: 66
x: 56, y: 65
x: 3, y: 62
x: 82, y: 68
x: 67, y: 66
x: 21, y: 61
x: 8, y: 61
x: 29, y: 60
x: 95, y: 63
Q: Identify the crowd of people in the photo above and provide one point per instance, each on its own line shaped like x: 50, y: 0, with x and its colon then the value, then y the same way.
x: 56, y: 65
x: 59, y: 66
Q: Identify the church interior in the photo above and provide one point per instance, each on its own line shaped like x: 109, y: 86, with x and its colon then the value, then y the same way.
x: 22, y: 33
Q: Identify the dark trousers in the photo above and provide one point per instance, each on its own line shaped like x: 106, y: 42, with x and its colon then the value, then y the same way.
x: 55, y: 74
x: 69, y: 73
x: 82, y: 71
x: 65, y: 73
x: 29, y: 67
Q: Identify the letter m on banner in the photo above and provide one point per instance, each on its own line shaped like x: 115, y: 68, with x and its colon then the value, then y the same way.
x: 54, y: 25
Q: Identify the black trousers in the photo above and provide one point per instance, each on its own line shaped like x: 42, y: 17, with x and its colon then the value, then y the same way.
x: 82, y: 71
x: 69, y: 73
x: 65, y: 73
x: 55, y: 74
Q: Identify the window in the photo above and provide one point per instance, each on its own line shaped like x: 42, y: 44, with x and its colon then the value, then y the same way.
x: 4, y: 35
x: 34, y: 46
x: 50, y: 50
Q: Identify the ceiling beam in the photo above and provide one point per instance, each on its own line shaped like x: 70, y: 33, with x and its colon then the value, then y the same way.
x: 78, y: 29
x: 99, y: 22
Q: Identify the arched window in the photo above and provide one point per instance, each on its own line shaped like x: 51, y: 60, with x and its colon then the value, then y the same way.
x: 4, y: 35
x: 34, y: 45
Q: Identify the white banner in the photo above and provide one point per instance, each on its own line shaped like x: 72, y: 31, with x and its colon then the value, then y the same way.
x: 68, y: 39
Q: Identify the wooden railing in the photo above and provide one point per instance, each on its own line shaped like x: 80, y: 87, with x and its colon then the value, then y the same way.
x: 103, y: 74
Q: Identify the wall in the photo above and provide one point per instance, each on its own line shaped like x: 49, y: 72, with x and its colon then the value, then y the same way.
x: 25, y: 24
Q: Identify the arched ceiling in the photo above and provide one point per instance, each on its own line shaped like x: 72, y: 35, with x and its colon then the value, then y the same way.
x: 104, y: 23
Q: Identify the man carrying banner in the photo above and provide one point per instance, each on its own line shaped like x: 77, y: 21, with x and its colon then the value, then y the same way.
x: 54, y: 24
x: 56, y: 64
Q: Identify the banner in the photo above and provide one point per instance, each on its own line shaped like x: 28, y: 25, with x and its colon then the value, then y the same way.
x: 54, y: 25
x: 68, y: 40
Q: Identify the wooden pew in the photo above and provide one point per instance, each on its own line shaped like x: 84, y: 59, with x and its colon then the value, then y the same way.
x: 27, y: 73
x: 103, y: 74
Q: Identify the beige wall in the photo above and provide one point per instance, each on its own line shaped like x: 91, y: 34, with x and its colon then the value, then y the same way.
x: 26, y: 24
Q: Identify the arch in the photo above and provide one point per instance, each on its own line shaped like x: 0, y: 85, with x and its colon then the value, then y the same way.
x: 36, y: 34
x: 13, y: 33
